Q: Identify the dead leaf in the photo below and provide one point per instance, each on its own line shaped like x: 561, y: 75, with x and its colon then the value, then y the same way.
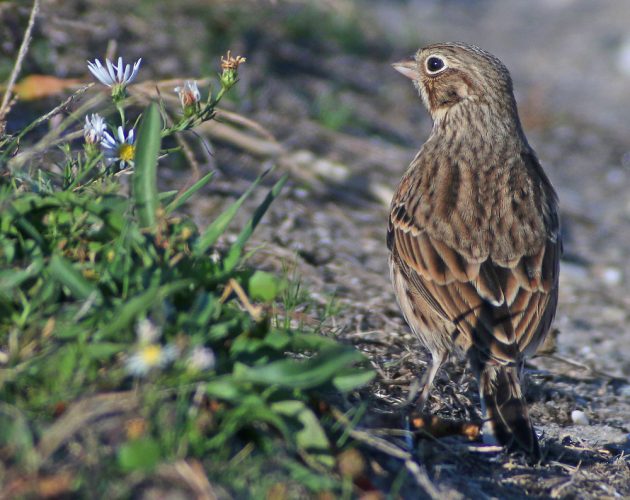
x: 34, y: 87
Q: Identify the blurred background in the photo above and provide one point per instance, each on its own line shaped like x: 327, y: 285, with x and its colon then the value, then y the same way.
x: 319, y: 98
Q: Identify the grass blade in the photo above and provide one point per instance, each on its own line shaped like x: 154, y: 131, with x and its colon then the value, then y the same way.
x: 236, y: 250
x: 183, y: 198
x: 10, y: 279
x: 145, y: 191
x: 66, y: 274
x: 220, y: 224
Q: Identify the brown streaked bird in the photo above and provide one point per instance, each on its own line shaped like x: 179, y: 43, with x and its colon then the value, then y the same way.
x: 474, y: 234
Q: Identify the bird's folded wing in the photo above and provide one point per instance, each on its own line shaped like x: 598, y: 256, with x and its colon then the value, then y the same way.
x: 504, y: 311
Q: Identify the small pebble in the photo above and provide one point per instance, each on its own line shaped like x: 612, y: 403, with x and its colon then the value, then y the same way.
x: 611, y: 276
x: 586, y: 350
x: 579, y: 417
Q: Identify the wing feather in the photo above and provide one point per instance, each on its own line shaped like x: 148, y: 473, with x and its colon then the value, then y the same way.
x: 502, y: 310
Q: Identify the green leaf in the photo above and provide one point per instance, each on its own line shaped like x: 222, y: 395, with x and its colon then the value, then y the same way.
x: 185, y: 196
x: 277, y: 339
x: 140, y: 454
x: 264, y: 286
x: 314, y: 481
x: 167, y: 195
x: 145, y: 191
x: 311, y: 438
x: 220, y: 224
x: 66, y: 274
x: 63, y: 364
x: 252, y: 409
x: 225, y: 389
x: 236, y: 250
x: 311, y: 342
x: 140, y: 304
x: 12, y: 278
x: 295, y: 374
x: 128, y: 312
x: 352, y: 378
x: 104, y: 350
x: 223, y: 329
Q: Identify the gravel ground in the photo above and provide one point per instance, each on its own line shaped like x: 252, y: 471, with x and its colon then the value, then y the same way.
x: 346, y: 126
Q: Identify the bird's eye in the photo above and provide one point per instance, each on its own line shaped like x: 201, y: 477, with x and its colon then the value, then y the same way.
x: 435, y: 64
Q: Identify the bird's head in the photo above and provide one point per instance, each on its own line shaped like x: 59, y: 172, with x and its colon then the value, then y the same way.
x: 449, y: 74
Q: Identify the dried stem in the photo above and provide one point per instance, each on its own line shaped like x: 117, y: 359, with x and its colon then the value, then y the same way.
x: 6, y: 100
x: 417, y: 472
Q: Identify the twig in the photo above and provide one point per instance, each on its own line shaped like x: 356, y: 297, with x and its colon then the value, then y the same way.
x: 234, y: 286
x: 52, y: 138
x: 191, y: 473
x: 246, y: 122
x: 422, y: 479
x: 194, y: 165
x: 58, y: 109
x: 252, y: 145
x: 4, y: 107
x: 80, y: 414
x: 582, y: 366
x: 417, y: 472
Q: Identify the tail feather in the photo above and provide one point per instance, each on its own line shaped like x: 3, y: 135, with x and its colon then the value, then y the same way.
x: 506, y: 409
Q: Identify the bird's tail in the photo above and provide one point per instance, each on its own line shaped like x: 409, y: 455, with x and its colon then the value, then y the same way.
x: 506, y: 409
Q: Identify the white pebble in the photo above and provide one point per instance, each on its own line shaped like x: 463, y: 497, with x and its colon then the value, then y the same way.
x: 611, y: 276
x: 579, y: 417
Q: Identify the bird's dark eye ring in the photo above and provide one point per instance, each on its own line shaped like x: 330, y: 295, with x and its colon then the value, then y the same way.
x: 435, y: 64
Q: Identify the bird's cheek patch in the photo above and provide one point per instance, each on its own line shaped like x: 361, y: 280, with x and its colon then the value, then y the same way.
x: 462, y: 90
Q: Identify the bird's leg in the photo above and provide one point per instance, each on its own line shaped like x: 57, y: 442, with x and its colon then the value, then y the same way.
x: 437, y: 359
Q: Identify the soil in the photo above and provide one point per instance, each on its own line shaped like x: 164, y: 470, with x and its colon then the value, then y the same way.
x: 346, y: 126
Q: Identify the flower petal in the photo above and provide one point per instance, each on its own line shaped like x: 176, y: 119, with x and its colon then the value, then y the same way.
x: 126, y: 74
x: 119, y: 71
x: 111, y: 70
x: 136, y: 66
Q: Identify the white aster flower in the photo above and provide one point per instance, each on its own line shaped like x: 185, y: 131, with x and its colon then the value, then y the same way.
x: 147, y: 332
x: 94, y: 128
x: 150, y: 357
x: 120, y: 148
x: 189, y: 95
x: 114, y: 74
x: 201, y: 358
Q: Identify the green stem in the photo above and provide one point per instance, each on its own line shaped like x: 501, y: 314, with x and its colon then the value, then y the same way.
x: 121, y: 112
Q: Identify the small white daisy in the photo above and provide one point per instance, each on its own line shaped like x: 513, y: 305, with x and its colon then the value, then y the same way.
x: 94, y: 128
x: 201, y: 358
x: 119, y: 149
x: 147, y: 332
x: 151, y: 357
x: 189, y: 94
x: 114, y: 74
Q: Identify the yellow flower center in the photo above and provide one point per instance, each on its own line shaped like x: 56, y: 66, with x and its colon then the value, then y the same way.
x: 126, y: 152
x: 151, y: 355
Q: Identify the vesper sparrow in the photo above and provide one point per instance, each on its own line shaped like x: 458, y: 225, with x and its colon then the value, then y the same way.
x: 474, y: 233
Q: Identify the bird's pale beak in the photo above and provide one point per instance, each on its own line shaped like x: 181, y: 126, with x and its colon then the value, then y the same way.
x: 407, y: 68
